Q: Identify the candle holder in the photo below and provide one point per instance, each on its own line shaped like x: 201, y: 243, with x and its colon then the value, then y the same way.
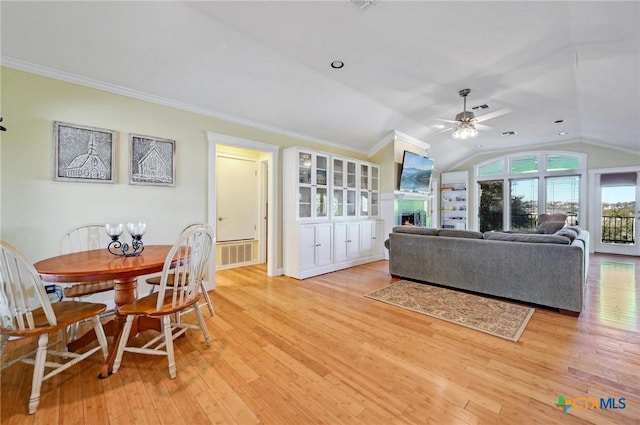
x: 122, y: 249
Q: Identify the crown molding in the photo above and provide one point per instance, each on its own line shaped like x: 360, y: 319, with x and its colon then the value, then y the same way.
x: 56, y: 74
x: 394, y: 135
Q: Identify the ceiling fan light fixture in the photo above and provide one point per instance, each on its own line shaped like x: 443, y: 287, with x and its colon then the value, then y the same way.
x: 465, y: 130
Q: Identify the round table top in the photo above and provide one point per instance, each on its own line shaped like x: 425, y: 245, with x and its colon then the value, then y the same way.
x: 100, y: 264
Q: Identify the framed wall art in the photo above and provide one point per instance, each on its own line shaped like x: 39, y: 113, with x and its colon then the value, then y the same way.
x: 83, y: 154
x: 152, y: 160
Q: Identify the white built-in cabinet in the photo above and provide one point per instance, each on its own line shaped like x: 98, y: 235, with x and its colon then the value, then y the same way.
x: 454, y: 203
x: 346, y: 240
x: 315, y: 242
x: 330, y: 210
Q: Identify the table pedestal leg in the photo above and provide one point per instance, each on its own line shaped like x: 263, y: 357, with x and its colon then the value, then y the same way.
x: 126, y: 292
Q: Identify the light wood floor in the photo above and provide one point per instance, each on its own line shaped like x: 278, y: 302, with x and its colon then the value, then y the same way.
x: 318, y: 352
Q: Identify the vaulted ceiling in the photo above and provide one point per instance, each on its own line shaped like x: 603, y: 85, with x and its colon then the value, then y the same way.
x: 267, y: 64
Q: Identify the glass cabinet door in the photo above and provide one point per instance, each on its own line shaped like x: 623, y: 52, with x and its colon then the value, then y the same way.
x: 351, y: 175
x: 322, y: 202
x: 375, y: 181
x: 374, y: 204
x: 313, y: 185
x: 304, y: 202
x: 364, y: 203
x: 322, y: 168
x: 304, y: 167
x: 338, y: 202
x: 351, y: 203
x: 364, y: 177
x: 338, y: 173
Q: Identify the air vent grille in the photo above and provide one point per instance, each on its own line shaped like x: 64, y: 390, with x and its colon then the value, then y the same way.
x: 363, y: 4
x: 485, y: 106
x: 235, y: 254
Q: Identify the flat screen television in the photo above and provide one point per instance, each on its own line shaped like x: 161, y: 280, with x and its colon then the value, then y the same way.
x: 415, y: 173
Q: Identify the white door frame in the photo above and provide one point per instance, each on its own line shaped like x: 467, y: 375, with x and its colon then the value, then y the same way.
x: 595, y: 213
x: 272, y: 193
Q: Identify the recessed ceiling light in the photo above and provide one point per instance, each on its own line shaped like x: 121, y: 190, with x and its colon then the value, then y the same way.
x: 508, y: 133
x: 563, y: 133
x: 558, y: 121
x: 337, y: 64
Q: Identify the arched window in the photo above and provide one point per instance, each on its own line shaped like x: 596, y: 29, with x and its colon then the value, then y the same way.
x: 514, y: 189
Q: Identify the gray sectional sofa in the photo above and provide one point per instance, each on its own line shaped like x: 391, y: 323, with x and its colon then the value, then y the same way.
x: 544, y: 269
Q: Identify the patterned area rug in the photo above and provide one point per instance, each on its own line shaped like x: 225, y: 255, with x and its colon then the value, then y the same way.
x: 487, y: 315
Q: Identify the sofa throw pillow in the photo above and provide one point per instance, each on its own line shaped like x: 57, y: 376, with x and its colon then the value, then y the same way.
x: 529, y: 238
x: 575, y: 227
x: 454, y: 233
x: 550, y: 227
x: 415, y: 230
x: 552, y: 217
x: 569, y: 233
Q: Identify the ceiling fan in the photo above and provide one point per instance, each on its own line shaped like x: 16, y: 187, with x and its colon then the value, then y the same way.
x: 466, y: 123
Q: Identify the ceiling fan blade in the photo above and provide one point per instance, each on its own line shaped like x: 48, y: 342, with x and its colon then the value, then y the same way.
x: 443, y: 131
x: 444, y: 120
x: 482, y: 127
x: 491, y: 115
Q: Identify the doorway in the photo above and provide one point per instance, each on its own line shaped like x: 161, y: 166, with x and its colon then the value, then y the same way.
x: 616, y: 214
x: 269, y: 166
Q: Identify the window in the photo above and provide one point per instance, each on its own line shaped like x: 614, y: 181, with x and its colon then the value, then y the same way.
x: 523, y: 203
x: 495, y: 168
x: 562, y: 163
x: 533, y: 183
x: 491, y: 205
x: 524, y: 164
x: 563, y: 195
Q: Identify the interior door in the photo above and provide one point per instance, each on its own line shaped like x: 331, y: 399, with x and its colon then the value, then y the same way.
x: 618, y: 212
x: 237, y: 204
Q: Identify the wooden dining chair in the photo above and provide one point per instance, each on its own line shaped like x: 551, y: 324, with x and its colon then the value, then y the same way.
x: 25, y: 311
x: 155, y: 280
x: 190, y: 257
x: 84, y: 238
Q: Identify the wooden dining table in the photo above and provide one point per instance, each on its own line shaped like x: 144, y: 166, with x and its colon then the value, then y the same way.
x: 100, y: 265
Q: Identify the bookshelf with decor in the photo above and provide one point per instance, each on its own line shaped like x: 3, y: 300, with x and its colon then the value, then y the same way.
x: 453, y: 200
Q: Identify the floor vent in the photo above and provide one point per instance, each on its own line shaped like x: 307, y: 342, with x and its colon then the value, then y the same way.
x: 235, y: 253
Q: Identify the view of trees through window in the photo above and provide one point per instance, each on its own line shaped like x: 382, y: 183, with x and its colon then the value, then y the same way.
x: 618, y: 214
x: 491, y: 205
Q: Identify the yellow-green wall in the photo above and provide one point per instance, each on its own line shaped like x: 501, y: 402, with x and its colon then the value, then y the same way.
x: 36, y: 211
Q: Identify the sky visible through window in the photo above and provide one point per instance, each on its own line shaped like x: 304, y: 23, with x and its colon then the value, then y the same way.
x: 612, y: 195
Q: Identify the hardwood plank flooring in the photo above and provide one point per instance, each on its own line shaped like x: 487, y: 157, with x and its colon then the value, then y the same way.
x: 318, y: 352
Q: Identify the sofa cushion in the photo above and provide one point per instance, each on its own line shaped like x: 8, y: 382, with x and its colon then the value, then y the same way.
x: 529, y: 238
x: 415, y: 230
x: 454, y: 233
x: 550, y: 227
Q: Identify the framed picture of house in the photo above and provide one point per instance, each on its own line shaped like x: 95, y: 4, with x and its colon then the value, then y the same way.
x: 152, y: 160
x: 83, y: 154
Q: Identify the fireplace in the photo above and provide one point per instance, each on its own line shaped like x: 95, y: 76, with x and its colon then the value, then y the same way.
x: 414, y: 218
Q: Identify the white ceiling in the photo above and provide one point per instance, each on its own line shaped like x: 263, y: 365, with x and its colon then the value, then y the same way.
x: 267, y: 63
